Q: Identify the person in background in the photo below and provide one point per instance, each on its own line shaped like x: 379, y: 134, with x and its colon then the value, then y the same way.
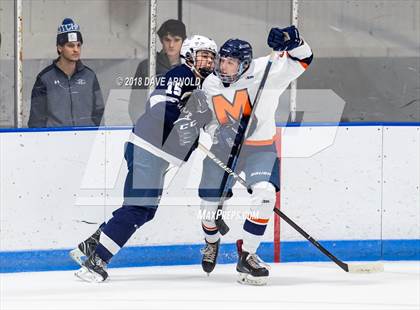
x: 172, y: 34
x: 66, y: 93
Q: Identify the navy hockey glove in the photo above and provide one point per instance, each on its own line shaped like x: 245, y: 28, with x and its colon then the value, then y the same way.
x: 284, y: 39
x: 196, y: 103
x: 187, y: 129
x: 228, y: 135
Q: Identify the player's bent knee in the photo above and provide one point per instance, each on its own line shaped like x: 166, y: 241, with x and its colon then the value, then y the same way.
x: 262, y: 191
x: 263, y: 198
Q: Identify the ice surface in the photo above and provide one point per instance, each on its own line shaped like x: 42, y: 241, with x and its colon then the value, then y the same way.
x: 291, y: 286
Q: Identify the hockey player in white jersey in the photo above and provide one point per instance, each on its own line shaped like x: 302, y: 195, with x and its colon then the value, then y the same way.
x: 231, y: 91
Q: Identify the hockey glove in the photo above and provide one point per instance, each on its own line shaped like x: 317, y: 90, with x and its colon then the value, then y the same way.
x: 284, y: 39
x: 187, y: 129
x: 196, y: 103
x: 226, y: 136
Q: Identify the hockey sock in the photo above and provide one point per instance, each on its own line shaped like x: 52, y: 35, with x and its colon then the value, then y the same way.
x: 263, y: 200
x: 120, y: 228
x: 208, y: 212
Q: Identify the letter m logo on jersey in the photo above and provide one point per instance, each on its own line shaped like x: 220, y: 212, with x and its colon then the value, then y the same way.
x: 226, y: 110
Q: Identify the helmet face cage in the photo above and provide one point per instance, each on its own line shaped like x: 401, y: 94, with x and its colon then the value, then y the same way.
x: 227, y: 78
x: 201, y: 64
x: 190, y: 49
x: 236, y: 49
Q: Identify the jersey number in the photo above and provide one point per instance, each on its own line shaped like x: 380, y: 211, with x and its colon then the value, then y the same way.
x: 224, y: 108
x: 174, y: 89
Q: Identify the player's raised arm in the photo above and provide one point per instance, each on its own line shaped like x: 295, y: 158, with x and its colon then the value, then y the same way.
x: 289, y: 40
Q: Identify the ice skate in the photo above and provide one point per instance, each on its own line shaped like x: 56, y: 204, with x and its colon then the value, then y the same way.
x: 85, y: 248
x: 93, y: 270
x: 252, y: 270
x: 209, y: 259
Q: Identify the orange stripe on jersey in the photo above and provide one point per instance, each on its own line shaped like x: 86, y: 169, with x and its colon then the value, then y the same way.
x: 258, y: 221
x: 209, y: 228
x: 223, y: 108
x: 259, y: 142
x: 304, y: 64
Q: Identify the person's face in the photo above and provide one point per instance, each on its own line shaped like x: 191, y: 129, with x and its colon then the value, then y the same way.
x: 70, y: 51
x: 204, y: 59
x: 171, y: 45
x: 228, y: 66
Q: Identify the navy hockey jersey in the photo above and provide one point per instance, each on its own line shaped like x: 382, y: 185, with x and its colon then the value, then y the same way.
x: 154, y: 130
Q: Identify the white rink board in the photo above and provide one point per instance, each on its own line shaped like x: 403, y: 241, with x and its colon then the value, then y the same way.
x: 335, y: 193
x: 52, y: 181
x: 401, y: 195
x: 62, y: 187
x: 41, y: 175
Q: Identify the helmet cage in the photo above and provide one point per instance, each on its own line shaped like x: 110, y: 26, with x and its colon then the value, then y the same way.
x: 225, y: 78
x: 190, y: 49
x: 236, y: 49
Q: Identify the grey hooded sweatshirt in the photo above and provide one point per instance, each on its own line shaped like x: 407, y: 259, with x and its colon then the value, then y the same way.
x: 58, y: 100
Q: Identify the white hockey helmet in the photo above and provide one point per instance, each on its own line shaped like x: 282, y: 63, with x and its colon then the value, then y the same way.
x: 191, y: 46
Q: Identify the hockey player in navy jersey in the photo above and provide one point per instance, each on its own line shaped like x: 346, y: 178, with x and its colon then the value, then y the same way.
x: 165, y: 134
x: 231, y: 92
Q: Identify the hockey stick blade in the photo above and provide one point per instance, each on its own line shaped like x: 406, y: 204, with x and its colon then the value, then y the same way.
x: 365, y: 268
x: 352, y: 268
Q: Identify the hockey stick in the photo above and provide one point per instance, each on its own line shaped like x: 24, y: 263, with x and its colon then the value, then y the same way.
x: 234, y: 155
x: 352, y: 268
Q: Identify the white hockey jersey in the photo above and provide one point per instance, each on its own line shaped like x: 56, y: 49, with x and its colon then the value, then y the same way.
x: 229, y: 103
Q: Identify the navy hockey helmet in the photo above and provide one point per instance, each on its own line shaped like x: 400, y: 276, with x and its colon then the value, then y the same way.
x: 237, y: 49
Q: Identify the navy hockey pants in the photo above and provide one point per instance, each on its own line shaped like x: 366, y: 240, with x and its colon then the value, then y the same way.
x: 142, y: 192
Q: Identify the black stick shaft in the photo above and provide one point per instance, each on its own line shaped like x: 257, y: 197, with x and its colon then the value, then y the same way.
x: 308, y: 237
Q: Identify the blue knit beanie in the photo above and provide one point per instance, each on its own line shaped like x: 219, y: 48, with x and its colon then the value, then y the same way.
x: 68, y: 31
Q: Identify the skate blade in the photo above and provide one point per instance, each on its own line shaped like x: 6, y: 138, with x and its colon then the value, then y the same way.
x: 88, y: 276
x: 247, y: 279
x: 77, y: 255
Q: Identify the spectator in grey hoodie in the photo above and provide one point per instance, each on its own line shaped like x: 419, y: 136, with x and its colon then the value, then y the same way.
x: 66, y: 93
x: 172, y: 34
